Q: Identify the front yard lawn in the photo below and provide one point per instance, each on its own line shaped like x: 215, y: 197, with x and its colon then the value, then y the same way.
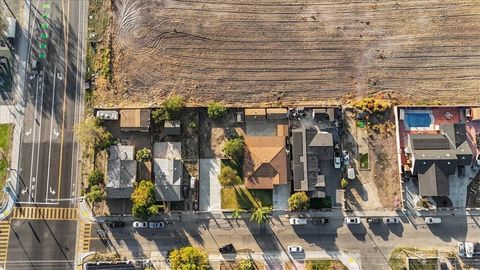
x: 325, y: 265
x: 321, y: 203
x: 243, y: 198
x: 5, y: 142
x: 238, y: 166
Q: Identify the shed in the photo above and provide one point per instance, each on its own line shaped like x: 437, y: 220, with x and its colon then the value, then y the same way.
x: 324, y: 115
x: 135, y: 120
x: 255, y: 114
x: 277, y: 113
x: 172, y: 127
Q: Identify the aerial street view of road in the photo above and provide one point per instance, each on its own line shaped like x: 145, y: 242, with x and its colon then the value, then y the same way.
x: 249, y: 178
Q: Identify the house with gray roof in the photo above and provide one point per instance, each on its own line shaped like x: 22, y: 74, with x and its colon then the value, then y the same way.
x: 309, y: 147
x: 168, y: 179
x: 434, y: 157
x: 121, y: 171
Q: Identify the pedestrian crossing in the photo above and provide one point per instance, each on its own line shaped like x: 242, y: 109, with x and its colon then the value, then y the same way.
x: 4, y: 235
x: 45, y: 213
x: 84, y: 237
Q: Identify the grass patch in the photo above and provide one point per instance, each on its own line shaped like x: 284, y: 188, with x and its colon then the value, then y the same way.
x: 363, y: 160
x: 325, y: 265
x: 427, y: 264
x: 321, y: 203
x: 242, y: 198
x: 236, y: 165
x: 398, y: 257
x: 5, y: 143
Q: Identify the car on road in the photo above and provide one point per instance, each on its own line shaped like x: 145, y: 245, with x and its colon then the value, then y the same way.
x: 228, y: 248
x: 433, y: 220
x: 192, y: 183
x: 295, y: 249
x: 35, y: 66
x: 391, y: 220
x: 116, y: 224
x: 352, y: 220
x: 298, y: 221
x: 140, y: 224
x: 373, y: 220
x: 337, y: 163
x: 156, y: 224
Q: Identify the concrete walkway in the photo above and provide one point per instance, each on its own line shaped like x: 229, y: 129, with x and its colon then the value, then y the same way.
x: 210, y: 188
x: 13, y: 114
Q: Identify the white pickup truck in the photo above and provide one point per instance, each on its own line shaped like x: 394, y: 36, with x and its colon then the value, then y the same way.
x: 433, y: 220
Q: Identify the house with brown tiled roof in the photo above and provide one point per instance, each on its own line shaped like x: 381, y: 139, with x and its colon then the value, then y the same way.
x: 265, y: 162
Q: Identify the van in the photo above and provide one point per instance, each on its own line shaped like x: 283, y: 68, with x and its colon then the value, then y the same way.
x: 298, y: 221
x: 433, y: 220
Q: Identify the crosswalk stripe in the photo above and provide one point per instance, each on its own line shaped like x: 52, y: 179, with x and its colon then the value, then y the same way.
x: 4, y: 237
x: 47, y: 213
x: 84, y: 237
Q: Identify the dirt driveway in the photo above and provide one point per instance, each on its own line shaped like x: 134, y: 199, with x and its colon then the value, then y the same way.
x: 267, y: 52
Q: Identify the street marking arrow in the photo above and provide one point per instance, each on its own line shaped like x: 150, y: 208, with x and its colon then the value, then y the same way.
x: 28, y: 132
x: 24, y: 190
x: 56, y: 132
x: 59, y: 76
x: 52, y: 191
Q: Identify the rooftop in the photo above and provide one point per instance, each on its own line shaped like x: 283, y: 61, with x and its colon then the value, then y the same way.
x: 121, y: 171
x: 168, y: 179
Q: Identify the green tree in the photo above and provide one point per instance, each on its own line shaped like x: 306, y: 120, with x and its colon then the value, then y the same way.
x: 95, y: 194
x: 228, y: 177
x: 95, y: 177
x: 299, y: 201
x: 169, y: 110
x: 92, y: 135
x: 143, y: 199
x: 260, y: 215
x: 216, y: 110
x: 246, y: 264
x: 188, y: 258
x: 344, y: 183
x: 143, y: 155
x: 234, y: 148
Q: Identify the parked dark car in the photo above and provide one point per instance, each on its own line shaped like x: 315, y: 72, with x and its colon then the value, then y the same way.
x: 116, y: 224
x: 373, y: 220
x: 185, y: 190
x: 317, y: 220
x: 227, y: 249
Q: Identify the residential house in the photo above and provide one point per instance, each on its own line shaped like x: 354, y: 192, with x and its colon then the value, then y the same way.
x: 309, y: 147
x: 265, y: 162
x: 121, y: 172
x: 435, y: 157
x: 168, y: 171
x: 277, y: 113
x: 135, y: 120
x: 168, y: 179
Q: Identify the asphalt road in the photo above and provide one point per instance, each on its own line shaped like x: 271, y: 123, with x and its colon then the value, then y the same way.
x: 49, y: 156
x: 372, y: 244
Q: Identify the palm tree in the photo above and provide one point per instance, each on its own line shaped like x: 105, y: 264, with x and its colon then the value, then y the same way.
x: 260, y: 215
x: 237, y: 213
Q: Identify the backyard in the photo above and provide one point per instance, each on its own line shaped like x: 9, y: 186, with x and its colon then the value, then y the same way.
x: 398, y: 258
x: 5, y: 143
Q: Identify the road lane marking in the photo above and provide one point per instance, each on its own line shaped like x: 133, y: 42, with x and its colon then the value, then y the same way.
x: 45, y: 213
x: 4, y: 239
x: 39, y: 133
x: 51, y: 127
x: 33, y: 139
x: 65, y: 26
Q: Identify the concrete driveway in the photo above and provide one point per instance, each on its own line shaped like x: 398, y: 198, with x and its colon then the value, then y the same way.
x: 210, y: 188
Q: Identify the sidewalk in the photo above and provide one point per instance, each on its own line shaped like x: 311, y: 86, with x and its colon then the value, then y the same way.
x: 14, y: 113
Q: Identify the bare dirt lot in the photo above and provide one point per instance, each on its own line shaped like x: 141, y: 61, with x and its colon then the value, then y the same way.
x: 270, y: 51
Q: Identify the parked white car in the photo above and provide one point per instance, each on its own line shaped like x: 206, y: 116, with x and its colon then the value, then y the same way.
x: 295, y: 249
x: 391, y: 220
x: 433, y: 220
x: 139, y: 224
x: 298, y: 221
x: 156, y: 225
x: 352, y: 220
x: 337, y: 162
